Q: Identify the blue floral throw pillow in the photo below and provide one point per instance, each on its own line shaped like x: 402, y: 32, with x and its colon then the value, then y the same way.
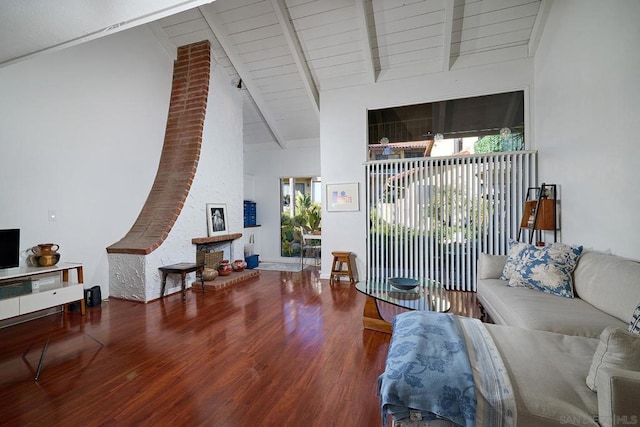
x: 513, y: 259
x: 634, y: 325
x: 548, y: 269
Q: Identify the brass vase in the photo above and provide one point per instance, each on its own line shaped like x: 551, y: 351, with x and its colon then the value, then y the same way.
x: 45, y: 255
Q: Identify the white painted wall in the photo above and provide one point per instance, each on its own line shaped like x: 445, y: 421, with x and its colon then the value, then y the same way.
x: 343, y: 135
x: 81, y: 131
x: 267, y: 167
x: 249, y: 187
x: 587, y: 103
x: 218, y: 179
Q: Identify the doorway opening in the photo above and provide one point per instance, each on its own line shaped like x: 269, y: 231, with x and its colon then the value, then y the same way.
x: 300, y: 212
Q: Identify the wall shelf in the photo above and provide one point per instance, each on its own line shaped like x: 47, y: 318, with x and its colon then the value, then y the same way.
x: 215, y: 243
x: 540, y: 212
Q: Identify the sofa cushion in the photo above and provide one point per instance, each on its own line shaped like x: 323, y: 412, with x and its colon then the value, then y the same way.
x: 532, y: 309
x: 608, y: 282
x: 617, y: 349
x: 618, y: 393
x: 547, y: 268
x: 490, y: 266
x: 513, y: 258
x: 548, y: 374
x: 634, y: 324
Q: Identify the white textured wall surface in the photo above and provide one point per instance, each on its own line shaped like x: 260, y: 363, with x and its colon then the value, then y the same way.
x: 587, y: 102
x: 218, y: 179
x: 81, y: 132
x: 127, y: 276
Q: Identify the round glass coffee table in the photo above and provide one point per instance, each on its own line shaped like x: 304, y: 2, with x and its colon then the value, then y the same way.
x: 427, y: 295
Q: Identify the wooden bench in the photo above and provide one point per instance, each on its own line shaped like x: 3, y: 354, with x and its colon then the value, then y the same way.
x: 181, y: 268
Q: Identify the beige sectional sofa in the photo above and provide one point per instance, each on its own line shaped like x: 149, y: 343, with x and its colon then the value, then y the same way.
x: 606, y: 289
x: 549, y: 342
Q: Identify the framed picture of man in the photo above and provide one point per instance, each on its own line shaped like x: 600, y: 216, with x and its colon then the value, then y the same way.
x: 217, y: 219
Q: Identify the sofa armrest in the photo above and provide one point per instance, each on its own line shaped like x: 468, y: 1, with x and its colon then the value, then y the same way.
x: 491, y: 266
x: 618, y: 397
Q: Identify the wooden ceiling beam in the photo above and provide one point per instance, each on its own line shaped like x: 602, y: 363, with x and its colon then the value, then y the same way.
x: 447, y: 35
x: 161, y: 35
x: 217, y: 27
x: 538, y: 26
x: 365, y: 24
x: 282, y: 13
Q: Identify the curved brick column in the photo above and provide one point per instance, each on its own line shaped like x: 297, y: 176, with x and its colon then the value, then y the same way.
x: 180, y: 153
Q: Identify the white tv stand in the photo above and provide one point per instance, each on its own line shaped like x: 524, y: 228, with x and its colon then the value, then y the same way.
x: 46, y: 295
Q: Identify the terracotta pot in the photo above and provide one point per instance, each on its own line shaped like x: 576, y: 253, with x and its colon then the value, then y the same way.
x: 225, y: 268
x: 239, y: 265
x: 209, y: 274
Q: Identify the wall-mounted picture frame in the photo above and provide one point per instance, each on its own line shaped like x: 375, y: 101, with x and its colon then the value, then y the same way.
x: 342, y: 197
x: 217, y: 219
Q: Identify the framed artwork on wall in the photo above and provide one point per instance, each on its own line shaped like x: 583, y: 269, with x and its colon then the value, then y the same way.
x: 342, y: 197
x: 217, y: 219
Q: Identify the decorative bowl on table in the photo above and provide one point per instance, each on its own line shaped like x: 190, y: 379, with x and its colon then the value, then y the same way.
x: 403, y: 283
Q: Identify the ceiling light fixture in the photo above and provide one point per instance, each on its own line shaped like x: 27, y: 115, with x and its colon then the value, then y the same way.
x: 237, y: 83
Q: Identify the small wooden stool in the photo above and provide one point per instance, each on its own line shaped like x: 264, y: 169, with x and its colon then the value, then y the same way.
x: 339, y: 260
x: 181, y: 268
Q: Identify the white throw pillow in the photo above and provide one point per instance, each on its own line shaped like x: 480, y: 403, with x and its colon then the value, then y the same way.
x: 492, y: 266
x: 618, y: 349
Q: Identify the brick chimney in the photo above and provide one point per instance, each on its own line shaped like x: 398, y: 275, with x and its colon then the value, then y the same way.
x: 201, y: 162
x: 180, y: 153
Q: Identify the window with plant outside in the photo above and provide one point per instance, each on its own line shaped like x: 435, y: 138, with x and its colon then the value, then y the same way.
x: 301, y: 212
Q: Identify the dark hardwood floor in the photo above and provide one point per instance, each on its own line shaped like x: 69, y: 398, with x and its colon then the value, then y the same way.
x: 286, y: 349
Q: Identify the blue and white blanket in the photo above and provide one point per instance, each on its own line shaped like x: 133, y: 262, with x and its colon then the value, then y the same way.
x: 442, y: 366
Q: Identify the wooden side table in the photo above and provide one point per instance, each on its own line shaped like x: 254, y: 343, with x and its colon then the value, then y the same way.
x: 181, y: 268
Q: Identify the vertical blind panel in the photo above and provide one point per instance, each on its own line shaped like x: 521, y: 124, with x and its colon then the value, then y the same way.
x: 431, y: 217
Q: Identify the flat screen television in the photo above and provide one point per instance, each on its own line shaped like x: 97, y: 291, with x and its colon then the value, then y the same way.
x: 10, y: 248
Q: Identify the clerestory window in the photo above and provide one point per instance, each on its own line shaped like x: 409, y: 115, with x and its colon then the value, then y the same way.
x: 475, y: 125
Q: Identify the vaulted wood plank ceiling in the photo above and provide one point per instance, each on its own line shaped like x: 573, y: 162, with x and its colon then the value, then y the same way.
x: 287, y: 51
